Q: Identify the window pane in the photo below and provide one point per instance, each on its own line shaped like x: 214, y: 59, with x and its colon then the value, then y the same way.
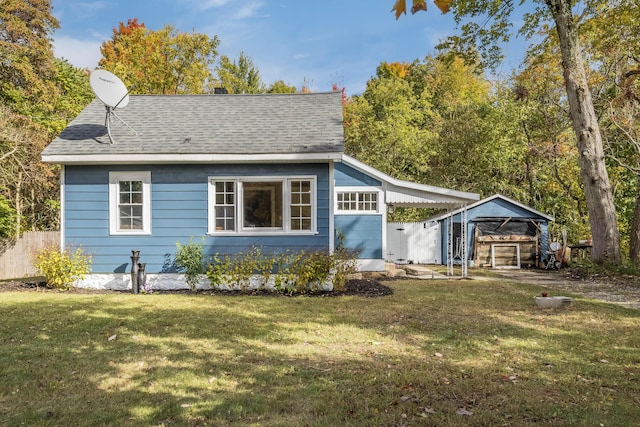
x: 136, y: 223
x: 136, y: 198
x: 262, y: 203
x: 125, y: 197
x: 225, y: 218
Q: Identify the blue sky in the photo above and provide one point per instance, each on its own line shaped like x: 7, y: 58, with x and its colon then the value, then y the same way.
x: 299, y: 41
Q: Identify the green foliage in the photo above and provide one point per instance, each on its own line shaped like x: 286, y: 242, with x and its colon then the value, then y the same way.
x: 38, y: 96
x: 239, y: 77
x: 74, y: 94
x: 281, y: 87
x: 7, y: 218
x: 62, y: 268
x: 291, y: 273
x: 159, y: 62
x: 189, y: 259
x: 27, y: 66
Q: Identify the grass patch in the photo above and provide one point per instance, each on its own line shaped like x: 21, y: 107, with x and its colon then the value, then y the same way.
x: 433, y: 353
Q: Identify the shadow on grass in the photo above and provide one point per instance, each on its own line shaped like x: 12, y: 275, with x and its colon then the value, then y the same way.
x: 434, y: 353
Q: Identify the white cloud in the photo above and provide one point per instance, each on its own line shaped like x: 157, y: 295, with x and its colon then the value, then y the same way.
x: 90, y: 8
x: 208, y: 4
x: 80, y: 53
x: 248, y: 10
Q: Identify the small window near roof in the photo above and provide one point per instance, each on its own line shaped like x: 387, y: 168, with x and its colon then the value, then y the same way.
x: 357, y: 201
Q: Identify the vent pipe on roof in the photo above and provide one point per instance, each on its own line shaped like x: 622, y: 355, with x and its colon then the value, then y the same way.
x: 220, y: 91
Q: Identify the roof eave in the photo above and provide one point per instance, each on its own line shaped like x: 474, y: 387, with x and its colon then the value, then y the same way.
x: 447, y: 196
x: 92, y: 159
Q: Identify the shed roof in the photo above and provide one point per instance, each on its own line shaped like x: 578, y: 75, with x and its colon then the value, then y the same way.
x: 489, y: 199
x: 205, y: 128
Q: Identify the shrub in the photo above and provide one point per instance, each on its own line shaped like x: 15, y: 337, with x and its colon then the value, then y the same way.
x: 292, y: 273
x: 189, y: 260
x: 62, y: 268
x: 345, y: 264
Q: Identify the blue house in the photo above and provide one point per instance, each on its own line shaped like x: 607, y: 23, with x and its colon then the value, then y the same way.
x: 500, y: 233
x: 240, y: 171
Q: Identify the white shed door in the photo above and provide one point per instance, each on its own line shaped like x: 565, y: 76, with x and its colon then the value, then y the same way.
x: 414, y: 242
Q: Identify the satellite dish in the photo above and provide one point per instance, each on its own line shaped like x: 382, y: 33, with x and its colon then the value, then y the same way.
x: 109, y: 89
x: 554, y: 246
x: 112, y: 92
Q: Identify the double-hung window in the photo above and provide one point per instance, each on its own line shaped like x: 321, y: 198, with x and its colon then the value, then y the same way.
x: 262, y: 205
x: 129, y: 203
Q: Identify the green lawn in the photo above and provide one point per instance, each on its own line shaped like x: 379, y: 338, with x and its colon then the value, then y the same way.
x: 436, y: 353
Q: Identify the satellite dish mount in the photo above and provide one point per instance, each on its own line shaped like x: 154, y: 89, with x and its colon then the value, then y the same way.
x: 113, y: 93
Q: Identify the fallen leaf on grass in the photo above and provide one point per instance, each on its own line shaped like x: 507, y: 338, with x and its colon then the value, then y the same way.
x: 462, y: 411
x: 426, y: 412
x: 113, y: 337
x: 509, y: 378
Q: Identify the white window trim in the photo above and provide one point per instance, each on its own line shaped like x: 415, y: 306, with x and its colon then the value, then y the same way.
x: 363, y: 189
x: 114, y: 179
x: 240, y: 230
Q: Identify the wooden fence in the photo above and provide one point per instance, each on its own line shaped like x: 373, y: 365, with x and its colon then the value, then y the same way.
x: 16, y: 255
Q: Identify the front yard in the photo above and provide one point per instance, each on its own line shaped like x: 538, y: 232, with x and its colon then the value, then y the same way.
x: 433, y: 353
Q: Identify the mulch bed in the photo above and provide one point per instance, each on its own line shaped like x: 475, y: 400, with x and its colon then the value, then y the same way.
x: 358, y: 287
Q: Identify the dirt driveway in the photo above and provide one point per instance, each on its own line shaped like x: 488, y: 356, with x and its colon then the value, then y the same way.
x: 621, y: 290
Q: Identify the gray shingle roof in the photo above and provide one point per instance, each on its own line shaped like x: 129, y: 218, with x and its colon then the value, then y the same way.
x: 267, y: 124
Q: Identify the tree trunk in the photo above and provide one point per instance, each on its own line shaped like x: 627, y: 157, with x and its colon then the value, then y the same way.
x: 597, y: 188
x: 634, y: 246
x: 18, y: 206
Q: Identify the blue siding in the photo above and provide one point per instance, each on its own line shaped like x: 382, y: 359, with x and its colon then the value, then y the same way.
x: 346, y: 176
x: 363, y: 233
x: 179, y: 211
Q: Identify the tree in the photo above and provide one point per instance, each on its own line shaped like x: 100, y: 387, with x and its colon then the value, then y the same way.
x: 239, y: 77
x: 27, y: 61
x: 595, y: 178
x: 610, y: 40
x: 25, y: 182
x: 391, y: 126
x: 159, y: 62
x: 38, y: 96
x: 281, y: 87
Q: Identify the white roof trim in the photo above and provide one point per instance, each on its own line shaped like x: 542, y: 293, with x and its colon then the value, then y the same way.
x: 411, y: 192
x: 488, y: 199
x: 188, y: 158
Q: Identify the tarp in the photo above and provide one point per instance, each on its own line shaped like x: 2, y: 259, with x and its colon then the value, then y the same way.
x: 505, y: 226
